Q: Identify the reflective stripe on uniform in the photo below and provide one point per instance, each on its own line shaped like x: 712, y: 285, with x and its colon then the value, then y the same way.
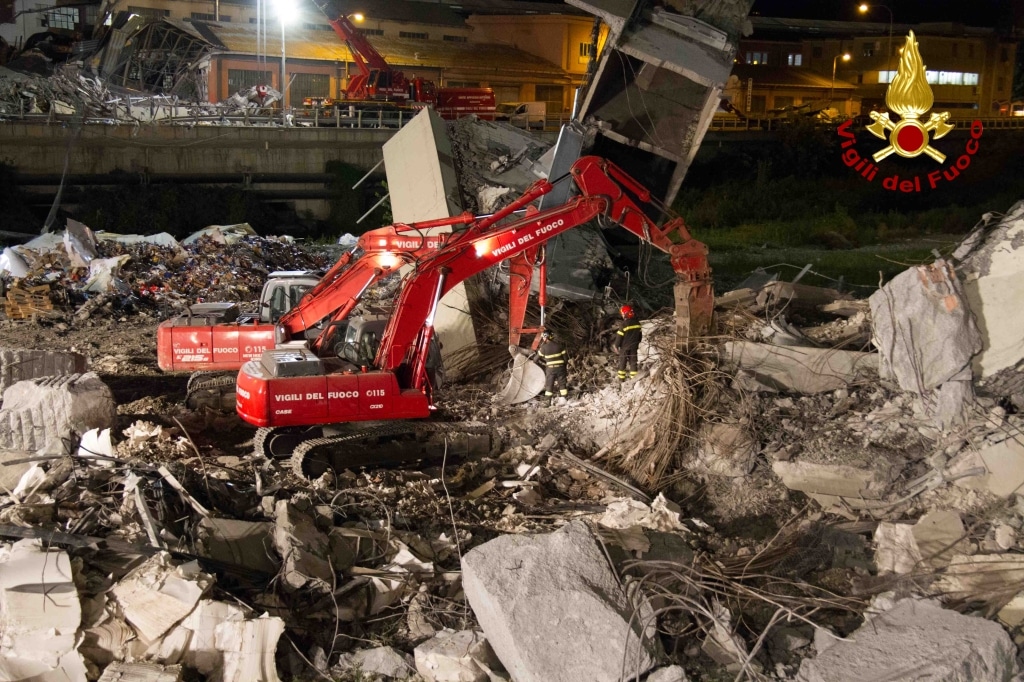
x: 622, y: 332
x: 550, y: 360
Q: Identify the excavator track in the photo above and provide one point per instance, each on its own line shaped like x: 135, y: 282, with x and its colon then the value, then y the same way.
x: 211, y: 389
x: 392, y: 443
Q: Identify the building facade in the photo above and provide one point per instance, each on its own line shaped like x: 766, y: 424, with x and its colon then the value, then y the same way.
x: 970, y: 69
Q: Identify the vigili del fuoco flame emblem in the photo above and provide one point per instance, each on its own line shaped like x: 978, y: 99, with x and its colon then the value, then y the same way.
x: 909, y: 96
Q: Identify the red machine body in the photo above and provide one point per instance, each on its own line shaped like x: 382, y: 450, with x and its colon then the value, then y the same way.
x: 201, y: 347
x: 376, y: 82
x: 296, y: 386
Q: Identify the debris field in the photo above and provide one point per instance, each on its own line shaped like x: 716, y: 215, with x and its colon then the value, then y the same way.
x: 829, y: 488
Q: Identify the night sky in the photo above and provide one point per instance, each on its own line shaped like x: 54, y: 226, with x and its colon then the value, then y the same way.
x: 987, y: 13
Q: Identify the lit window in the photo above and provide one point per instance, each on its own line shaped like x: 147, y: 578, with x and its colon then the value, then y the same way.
x: 795, y: 59
x: 757, y: 58
x: 62, y: 17
x: 936, y: 77
x: 869, y: 49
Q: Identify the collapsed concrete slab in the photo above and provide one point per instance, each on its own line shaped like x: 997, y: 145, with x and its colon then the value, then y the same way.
x: 926, y: 336
x: 302, y: 547
x: 917, y: 640
x: 553, y: 610
x: 452, y: 656
x: 870, y: 480
x: 992, y: 265
x: 39, y: 615
x: 45, y: 414
x: 423, y: 185
x: 923, y: 329
x: 19, y: 365
x: 797, y: 369
x: 673, y: 62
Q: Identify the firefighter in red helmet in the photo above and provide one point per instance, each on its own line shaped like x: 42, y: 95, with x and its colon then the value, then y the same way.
x: 627, y: 341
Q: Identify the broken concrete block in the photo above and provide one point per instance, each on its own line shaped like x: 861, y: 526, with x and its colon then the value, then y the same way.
x: 302, y: 547
x: 553, y: 610
x: 156, y: 595
x: 385, y: 661
x: 10, y: 474
x: 870, y: 480
x: 453, y: 656
x: 119, y: 671
x: 923, y: 328
x: 798, y: 369
x: 193, y: 641
x: 939, y: 535
x: 726, y: 449
x: 994, y: 578
x: 45, y: 414
x: 896, y: 549
x: 992, y: 265
x: 917, y: 640
x: 39, y: 615
x: 722, y: 644
x: 20, y: 365
x: 1003, y: 464
x: 243, y: 543
x: 248, y: 648
x: 672, y: 673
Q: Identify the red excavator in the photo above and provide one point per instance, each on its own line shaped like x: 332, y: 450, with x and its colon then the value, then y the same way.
x: 302, y: 394
x: 378, y: 83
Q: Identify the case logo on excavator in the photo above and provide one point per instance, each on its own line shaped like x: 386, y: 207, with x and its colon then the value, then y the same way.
x: 544, y: 229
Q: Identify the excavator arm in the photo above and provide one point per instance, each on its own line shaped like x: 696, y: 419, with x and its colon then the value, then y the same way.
x: 377, y: 254
x: 606, y: 192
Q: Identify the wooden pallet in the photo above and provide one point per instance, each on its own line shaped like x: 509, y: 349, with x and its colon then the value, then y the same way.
x: 21, y: 304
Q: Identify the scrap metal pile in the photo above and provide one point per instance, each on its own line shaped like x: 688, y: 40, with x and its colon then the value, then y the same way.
x: 832, y: 485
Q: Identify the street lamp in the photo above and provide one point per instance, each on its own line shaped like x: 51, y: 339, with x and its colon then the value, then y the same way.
x: 845, y: 57
x: 285, y: 13
x: 863, y: 9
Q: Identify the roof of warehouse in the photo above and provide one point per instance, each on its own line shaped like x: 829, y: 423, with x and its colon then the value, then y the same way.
x: 407, y: 53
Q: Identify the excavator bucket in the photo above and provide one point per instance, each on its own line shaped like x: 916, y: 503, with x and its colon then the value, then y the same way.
x: 527, y: 380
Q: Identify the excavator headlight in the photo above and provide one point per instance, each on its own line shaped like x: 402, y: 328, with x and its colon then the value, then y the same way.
x: 279, y: 335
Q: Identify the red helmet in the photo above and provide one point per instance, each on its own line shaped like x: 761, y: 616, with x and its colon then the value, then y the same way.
x: 626, y: 310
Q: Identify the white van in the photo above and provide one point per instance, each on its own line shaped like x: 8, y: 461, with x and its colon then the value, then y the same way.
x: 530, y: 115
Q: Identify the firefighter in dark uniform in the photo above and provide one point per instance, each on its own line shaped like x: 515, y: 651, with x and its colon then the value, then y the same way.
x: 627, y: 341
x: 554, y: 357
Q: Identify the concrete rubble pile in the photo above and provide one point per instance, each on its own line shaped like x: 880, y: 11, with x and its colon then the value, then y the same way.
x: 78, y: 274
x: 68, y: 91
x: 856, y: 463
